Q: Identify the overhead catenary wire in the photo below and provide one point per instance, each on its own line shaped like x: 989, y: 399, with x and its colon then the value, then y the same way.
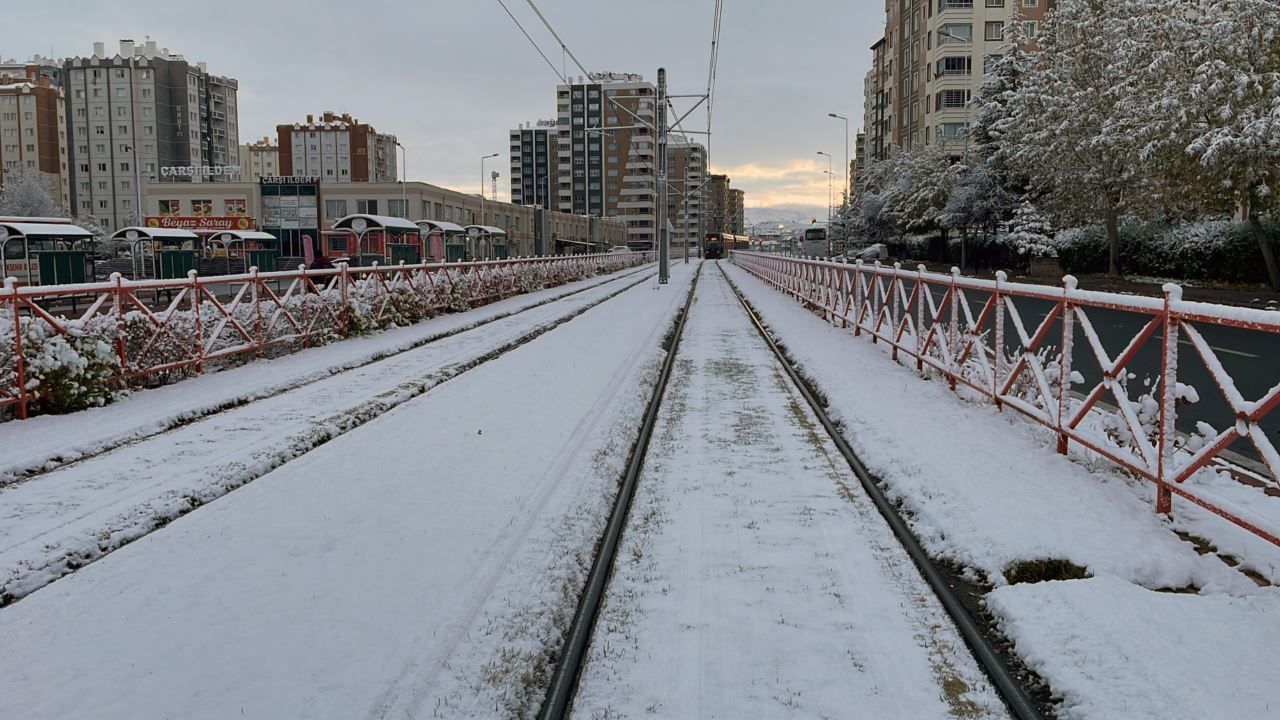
x: 554, y: 34
x: 551, y: 65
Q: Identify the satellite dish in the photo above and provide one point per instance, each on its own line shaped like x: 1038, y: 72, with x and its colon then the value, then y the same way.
x: 359, y: 224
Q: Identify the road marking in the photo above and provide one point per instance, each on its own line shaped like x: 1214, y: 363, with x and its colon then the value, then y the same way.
x: 1219, y: 350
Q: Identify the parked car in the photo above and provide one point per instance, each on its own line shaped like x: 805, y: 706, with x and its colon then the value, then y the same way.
x: 619, y: 249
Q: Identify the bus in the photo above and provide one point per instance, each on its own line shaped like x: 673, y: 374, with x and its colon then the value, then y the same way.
x: 814, y: 242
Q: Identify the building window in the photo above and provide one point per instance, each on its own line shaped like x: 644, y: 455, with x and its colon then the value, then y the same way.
x: 995, y: 3
x: 955, y: 33
x: 1029, y: 29
x: 994, y: 31
x: 334, y: 209
x: 367, y: 207
x: 1030, y: 3
x: 202, y: 208
x: 235, y: 207
x: 397, y: 207
x: 170, y: 208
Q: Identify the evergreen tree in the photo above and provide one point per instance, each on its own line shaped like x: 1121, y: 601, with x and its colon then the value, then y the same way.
x: 1030, y: 233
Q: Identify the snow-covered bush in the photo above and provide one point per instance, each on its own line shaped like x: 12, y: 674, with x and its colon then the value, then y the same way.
x: 1220, y: 250
x: 66, y: 372
x: 1029, y: 233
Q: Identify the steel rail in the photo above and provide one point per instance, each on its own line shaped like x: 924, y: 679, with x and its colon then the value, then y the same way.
x: 1010, y: 689
x: 564, y: 681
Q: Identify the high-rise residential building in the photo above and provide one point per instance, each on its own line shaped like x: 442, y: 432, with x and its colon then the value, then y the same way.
x: 36, y: 67
x: 686, y: 189
x: 607, y: 151
x: 259, y: 159
x: 737, y: 215
x: 930, y: 64
x: 144, y: 115
x: 719, y: 205
x: 859, y: 164
x: 533, y: 164
x: 33, y: 131
x: 337, y: 148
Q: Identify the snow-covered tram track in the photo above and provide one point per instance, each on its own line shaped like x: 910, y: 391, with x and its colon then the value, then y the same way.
x: 755, y: 577
x: 61, y: 520
x: 82, y: 443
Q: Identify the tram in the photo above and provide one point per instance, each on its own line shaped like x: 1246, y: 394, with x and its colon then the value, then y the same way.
x: 717, y: 245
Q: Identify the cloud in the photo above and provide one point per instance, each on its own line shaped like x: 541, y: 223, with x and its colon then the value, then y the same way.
x: 796, y: 182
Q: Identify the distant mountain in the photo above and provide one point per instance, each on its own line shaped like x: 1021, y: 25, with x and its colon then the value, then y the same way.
x: 790, y: 216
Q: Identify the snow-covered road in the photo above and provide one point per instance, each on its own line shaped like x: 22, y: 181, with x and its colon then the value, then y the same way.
x: 380, y: 574
x: 754, y: 578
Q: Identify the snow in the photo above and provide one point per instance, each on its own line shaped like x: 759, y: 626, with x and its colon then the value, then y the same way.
x: 65, y: 518
x: 985, y: 489
x: 1116, y: 650
x: 48, y: 441
x: 354, y: 581
x: 755, y: 579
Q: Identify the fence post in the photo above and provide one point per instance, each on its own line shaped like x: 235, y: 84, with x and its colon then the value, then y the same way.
x: 953, y: 337
x: 895, y: 314
x: 1064, y: 380
x: 11, y: 285
x: 344, y: 280
x: 117, y: 303
x: 1168, y: 398
x: 921, y: 290
x: 997, y: 341
x: 257, y: 314
x: 192, y: 275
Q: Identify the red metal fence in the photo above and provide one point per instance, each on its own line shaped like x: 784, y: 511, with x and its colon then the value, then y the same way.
x: 929, y: 318
x: 155, y: 331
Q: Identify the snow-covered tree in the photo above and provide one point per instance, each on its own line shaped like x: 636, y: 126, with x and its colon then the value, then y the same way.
x: 998, y: 89
x: 27, y: 195
x: 1030, y: 233
x: 1081, y: 152
x: 1228, y: 112
x: 978, y: 201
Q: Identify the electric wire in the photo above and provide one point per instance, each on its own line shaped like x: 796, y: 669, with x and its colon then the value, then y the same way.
x: 532, y: 42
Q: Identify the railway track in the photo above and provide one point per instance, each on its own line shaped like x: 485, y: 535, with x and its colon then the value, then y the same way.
x: 50, y: 462
x: 60, y: 520
x: 577, y: 653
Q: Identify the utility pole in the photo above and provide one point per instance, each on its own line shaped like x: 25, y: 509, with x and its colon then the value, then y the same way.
x: 660, y: 213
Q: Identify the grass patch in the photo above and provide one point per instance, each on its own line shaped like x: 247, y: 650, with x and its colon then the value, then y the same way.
x: 1044, y: 570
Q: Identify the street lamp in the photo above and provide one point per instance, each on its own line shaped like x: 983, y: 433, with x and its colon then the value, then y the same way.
x: 137, y: 182
x: 830, y: 172
x: 404, y: 176
x: 486, y: 157
x: 846, y: 152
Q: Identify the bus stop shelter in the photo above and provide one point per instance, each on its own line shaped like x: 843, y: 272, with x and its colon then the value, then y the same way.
x: 257, y: 249
x: 173, y: 252
x: 45, y: 253
x: 444, y: 240
x: 382, y: 239
x: 488, y: 242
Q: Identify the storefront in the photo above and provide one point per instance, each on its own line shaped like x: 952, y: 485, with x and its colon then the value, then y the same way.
x: 291, y: 211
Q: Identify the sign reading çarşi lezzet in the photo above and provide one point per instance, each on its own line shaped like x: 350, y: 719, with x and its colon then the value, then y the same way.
x: 201, y: 223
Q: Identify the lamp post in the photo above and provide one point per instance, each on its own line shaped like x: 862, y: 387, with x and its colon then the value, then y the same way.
x: 830, y: 172
x: 846, y: 151
x: 404, y: 177
x: 486, y: 157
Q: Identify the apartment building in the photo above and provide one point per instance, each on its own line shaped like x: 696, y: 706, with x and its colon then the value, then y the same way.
x: 737, y: 212
x: 534, y: 159
x: 33, y: 131
x: 337, y: 148
x: 259, y: 159
x: 606, y: 151
x: 144, y: 115
x: 686, y: 178
x: 929, y: 65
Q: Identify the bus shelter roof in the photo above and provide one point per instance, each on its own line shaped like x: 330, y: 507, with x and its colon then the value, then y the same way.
x: 441, y: 225
x: 35, y: 230
x: 376, y: 222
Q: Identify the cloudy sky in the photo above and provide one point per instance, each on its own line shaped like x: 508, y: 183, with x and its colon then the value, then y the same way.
x: 451, y: 77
